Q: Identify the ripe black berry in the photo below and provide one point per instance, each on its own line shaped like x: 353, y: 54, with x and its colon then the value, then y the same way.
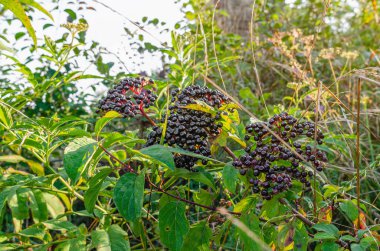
x: 190, y: 129
x: 264, y: 159
x: 129, y: 97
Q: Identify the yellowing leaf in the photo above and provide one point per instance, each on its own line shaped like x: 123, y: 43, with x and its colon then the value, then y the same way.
x: 289, y: 239
x: 237, y: 139
x: 362, y: 218
x: 325, y: 215
x: 17, y: 9
x: 36, y: 167
x: 201, y: 106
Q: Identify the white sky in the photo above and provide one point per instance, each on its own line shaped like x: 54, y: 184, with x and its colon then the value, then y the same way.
x: 106, y: 28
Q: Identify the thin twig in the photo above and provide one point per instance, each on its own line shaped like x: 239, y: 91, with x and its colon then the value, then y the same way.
x: 357, y: 155
x: 315, y: 149
x: 147, y: 117
x: 229, y: 152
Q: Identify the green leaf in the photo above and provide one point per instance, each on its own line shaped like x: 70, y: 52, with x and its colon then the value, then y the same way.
x: 77, y: 156
x: 324, y: 236
x: 357, y: 247
x: 200, y: 176
x: 33, y: 232
x: 329, y: 246
x: 3, y: 47
x: 252, y: 222
x: 6, y: 119
x: 157, y: 148
x: 300, y: 237
x: 101, y: 123
x: 327, y: 228
x: 38, y: 206
x: 230, y: 177
x: 100, y: 240
x: 173, y: 225
x: 272, y: 208
x: 348, y: 238
x: 3, y: 200
x: 94, y: 186
x: 350, y: 209
x: 37, y: 6
x: 71, y: 13
x: 59, y: 225
x: 118, y: 238
x: 114, y: 239
x: 54, y: 205
x: 128, y: 195
x: 245, y: 204
x: 204, y: 197
x: 161, y: 154
x: 18, y: 203
x: 198, y: 237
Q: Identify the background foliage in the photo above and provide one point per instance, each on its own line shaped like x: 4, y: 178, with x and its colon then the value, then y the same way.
x: 60, y: 190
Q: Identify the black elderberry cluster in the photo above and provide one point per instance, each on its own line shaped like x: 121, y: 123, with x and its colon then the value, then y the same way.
x: 190, y: 129
x: 269, y: 164
x: 129, y: 97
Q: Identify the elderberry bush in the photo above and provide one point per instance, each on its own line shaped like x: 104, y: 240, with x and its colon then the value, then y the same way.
x: 187, y: 128
x: 129, y: 97
x: 270, y: 165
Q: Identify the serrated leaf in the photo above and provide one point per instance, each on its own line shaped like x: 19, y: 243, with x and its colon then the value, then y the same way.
x: 77, y: 156
x: 173, y: 225
x: 94, y: 186
x: 230, y: 177
x: 129, y: 195
x: 198, y: 237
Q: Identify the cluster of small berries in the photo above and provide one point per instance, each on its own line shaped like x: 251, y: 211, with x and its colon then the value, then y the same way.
x: 129, y: 97
x: 269, y: 164
x: 187, y: 128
